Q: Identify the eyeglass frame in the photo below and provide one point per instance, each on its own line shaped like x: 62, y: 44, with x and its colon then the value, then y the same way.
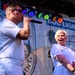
x: 20, y: 11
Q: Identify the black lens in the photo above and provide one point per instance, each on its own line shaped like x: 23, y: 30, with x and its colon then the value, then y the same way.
x: 20, y: 11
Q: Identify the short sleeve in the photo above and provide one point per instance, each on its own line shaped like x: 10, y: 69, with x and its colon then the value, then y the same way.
x: 10, y: 31
x: 55, y: 50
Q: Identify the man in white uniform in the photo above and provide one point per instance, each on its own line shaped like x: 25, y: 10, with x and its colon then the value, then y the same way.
x: 11, y: 41
x: 62, y: 56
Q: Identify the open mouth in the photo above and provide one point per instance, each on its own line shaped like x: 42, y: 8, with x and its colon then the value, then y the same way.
x: 61, y: 40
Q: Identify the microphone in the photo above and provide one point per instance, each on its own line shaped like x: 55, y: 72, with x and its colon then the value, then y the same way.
x: 35, y: 21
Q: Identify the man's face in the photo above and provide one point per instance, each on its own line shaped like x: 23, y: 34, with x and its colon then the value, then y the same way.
x: 18, y: 14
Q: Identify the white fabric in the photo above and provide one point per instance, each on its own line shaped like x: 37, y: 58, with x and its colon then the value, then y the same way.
x: 8, y: 68
x: 10, y: 47
x: 59, y: 69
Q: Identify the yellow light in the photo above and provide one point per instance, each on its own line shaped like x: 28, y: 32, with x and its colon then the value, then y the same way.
x: 54, y: 18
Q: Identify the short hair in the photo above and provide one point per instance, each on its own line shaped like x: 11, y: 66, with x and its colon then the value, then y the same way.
x: 58, y: 31
x: 12, y: 6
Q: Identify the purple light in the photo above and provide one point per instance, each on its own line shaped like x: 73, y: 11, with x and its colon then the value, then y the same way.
x: 24, y: 11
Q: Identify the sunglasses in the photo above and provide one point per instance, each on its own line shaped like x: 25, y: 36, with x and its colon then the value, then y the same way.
x: 20, y: 11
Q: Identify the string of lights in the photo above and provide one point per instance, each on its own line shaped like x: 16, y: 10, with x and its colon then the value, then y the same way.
x: 39, y: 14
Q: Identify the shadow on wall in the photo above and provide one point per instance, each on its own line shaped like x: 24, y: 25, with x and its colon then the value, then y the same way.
x: 39, y: 62
x: 50, y: 35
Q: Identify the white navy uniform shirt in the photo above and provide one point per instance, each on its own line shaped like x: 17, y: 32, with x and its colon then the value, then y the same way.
x: 10, y: 47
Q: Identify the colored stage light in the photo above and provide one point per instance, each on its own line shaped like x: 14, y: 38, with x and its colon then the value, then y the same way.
x: 4, y: 6
x: 46, y: 16
x: 60, y: 20
x: 24, y: 11
x: 39, y: 15
x: 53, y: 18
x: 31, y: 13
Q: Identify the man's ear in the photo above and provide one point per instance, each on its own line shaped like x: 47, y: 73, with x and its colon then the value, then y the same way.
x: 12, y: 12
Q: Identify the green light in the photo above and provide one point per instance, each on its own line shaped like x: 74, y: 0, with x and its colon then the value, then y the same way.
x: 46, y: 17
x: 39, y: 15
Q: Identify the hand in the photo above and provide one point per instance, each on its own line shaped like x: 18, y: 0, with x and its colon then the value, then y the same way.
x: 26, y: 19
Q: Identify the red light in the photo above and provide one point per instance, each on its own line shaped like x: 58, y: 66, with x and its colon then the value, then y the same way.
x: 4, y: 6
x: 60, y: 20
